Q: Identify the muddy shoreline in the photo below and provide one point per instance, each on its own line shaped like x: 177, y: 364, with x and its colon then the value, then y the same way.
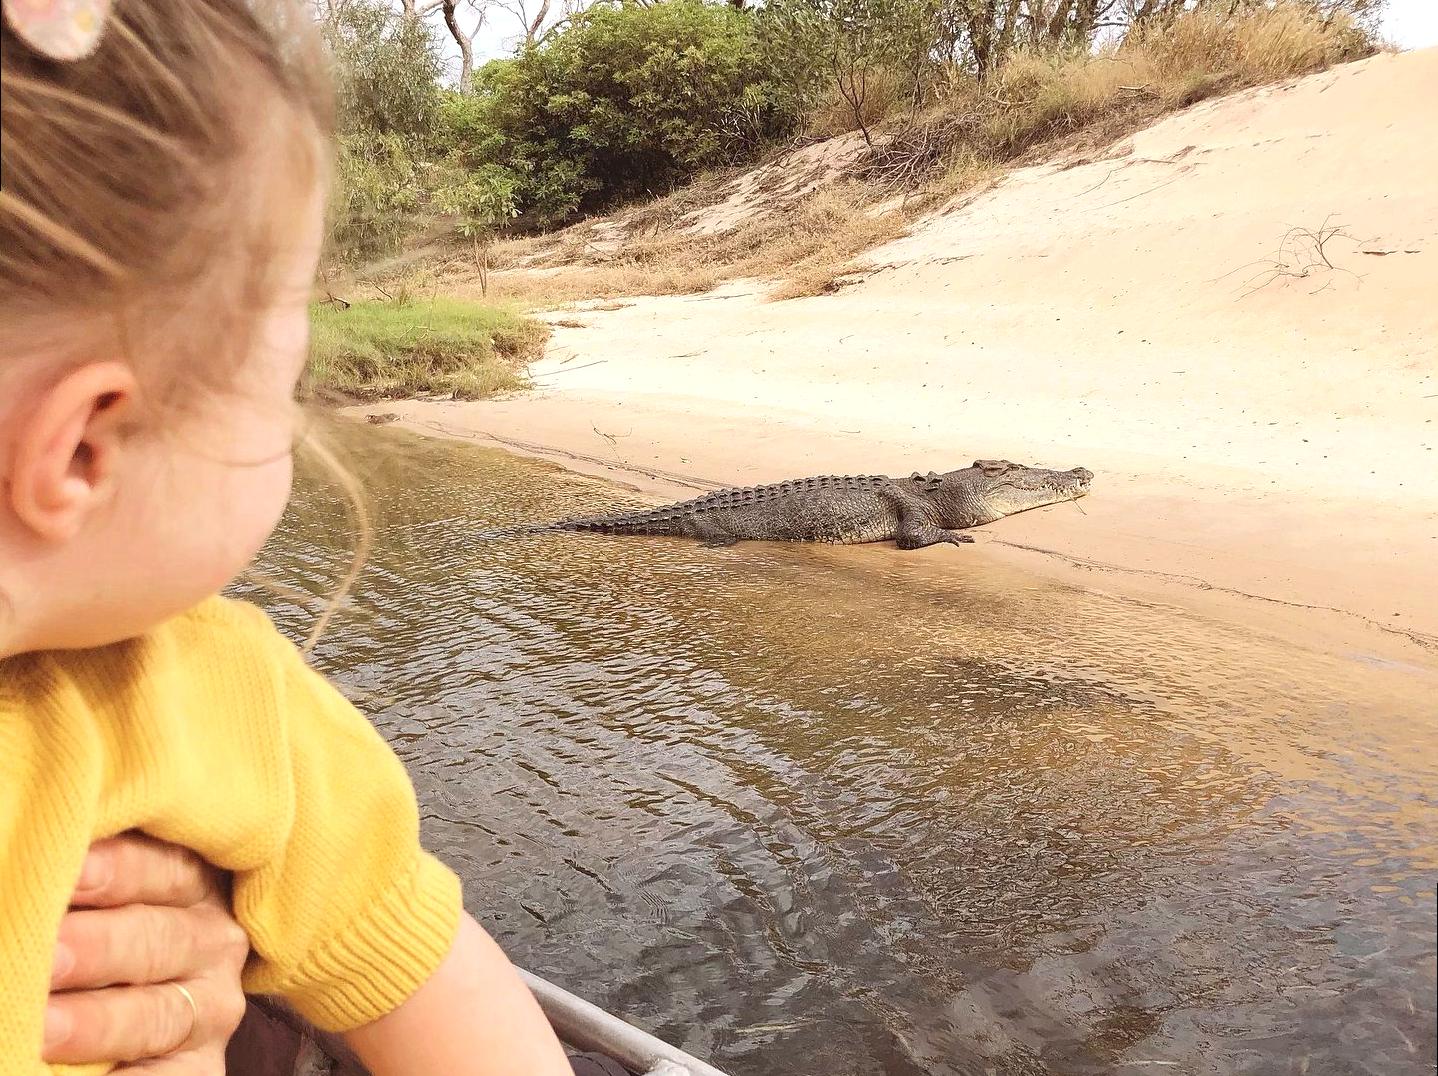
x: 1308, y: 605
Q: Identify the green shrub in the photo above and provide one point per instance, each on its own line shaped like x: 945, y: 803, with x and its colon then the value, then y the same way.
x: 378, y: 349
x: 387, y: 70
x: 624, y: 101
x: 376, y: 196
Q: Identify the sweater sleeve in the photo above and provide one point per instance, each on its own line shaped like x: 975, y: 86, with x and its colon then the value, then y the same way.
x: 352, y: 916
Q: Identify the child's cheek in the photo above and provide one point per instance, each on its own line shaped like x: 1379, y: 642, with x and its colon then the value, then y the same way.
x: 216, y: 532
x: 259, y: 506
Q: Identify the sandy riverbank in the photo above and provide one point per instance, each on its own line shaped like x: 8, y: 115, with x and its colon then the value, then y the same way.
x: 1262, y: 414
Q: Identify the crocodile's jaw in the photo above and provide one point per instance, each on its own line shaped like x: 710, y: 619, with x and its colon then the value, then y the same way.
x: 1011, y: 500
x: 1025, y: 488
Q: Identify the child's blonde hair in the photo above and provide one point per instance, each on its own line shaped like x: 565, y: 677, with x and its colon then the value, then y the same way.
x: 147, y: 186
x: 144, y: 184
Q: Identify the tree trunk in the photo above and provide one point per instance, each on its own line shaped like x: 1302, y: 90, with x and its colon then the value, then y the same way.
x: 465, y: 43
x: 532, y: 28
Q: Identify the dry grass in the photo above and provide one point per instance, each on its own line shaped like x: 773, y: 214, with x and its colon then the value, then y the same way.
x: 1262, y: 46
x: 1044, y: 98
x: 1036, y: 105
x: 809, y: 246
x: 834, y: 116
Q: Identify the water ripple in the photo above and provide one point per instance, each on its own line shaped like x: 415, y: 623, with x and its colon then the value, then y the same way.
x: 822, y: 810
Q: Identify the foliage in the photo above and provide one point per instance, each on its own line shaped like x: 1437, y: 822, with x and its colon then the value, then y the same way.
x: 376, y: 196
x: 399, y: 348
x: 479, y: 199
x: 1258, y: 43
x: 388, y: 99
x: 625, y: 100
x: 1040, y: 94
x: 387, y: 70
x: 867, y: 52
x: 1036, y: 100
x: 876, y: 56
x: 477, y: 193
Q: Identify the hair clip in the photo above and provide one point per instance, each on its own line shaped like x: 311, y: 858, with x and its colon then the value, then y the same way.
x: 58, y: 29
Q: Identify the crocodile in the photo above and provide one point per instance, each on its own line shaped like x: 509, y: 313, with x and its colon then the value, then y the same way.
x: 914, y: 512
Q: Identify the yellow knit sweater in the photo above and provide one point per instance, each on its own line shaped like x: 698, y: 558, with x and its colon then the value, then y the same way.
x: 211, y: 732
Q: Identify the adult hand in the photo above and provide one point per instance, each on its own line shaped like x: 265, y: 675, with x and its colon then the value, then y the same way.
x: 146, y: 915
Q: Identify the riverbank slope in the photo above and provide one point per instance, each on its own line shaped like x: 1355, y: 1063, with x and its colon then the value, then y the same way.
x: 1229, y: 317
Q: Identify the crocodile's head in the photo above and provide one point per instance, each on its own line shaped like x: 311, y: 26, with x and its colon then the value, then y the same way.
x: 992, y: 489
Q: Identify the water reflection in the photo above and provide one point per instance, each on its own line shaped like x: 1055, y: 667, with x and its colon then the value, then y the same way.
x: 811, y: 810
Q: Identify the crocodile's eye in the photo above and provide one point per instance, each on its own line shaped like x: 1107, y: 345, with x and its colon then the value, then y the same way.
x: 993, y: 467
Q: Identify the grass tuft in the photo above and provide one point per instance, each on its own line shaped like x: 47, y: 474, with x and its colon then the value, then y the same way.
x: 372, y: 350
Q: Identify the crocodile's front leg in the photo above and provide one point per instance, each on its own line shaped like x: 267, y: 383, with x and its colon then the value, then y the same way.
x: 915, y: 529
x: 914, y: 534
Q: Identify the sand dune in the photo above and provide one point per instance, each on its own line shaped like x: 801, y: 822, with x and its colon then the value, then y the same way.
x: 1232, y: 318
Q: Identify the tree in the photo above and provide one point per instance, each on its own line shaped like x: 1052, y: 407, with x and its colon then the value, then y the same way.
x: 530, y: 25
x: 386, y: 71
x: 386, y: 80
x: 449, y: 11
x: 479, y: 200
x: 854, y: 44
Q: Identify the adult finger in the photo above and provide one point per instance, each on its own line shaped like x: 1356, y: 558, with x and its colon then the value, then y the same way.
x: 146, y: 943
x: 139, y: 943
x: 122, y: 1024
x: 135, y: 869
x: 135, y: 1023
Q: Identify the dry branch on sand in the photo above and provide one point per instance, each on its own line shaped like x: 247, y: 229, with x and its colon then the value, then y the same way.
x: 1301, y: 253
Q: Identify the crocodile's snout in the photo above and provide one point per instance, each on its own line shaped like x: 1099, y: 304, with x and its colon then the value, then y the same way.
x: 1082, y: 478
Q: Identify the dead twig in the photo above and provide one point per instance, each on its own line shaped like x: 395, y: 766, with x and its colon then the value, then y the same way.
x: 1301, y: 253
x: 904, y: 160
x: 571, y: 369
x: 613, y: 441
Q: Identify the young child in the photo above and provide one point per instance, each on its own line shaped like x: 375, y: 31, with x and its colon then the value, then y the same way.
x: 160, y: 222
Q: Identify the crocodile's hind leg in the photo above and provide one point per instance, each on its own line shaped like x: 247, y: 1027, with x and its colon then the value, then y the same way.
x: 916, y: 535
x: 711, y: 536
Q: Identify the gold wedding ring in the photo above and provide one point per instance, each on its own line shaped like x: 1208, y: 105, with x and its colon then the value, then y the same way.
x: 194, y: 1013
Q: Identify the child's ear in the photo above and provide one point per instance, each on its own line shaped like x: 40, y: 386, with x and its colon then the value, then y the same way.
x: 67, y: 449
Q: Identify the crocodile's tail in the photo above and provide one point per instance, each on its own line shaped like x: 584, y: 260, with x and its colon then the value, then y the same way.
x: 686, y: 518
x: 656, y: 521
x: 523, y: 531
x: 651, y: 521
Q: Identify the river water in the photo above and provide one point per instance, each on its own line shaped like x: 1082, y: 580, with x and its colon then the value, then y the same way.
x: 807, y: 810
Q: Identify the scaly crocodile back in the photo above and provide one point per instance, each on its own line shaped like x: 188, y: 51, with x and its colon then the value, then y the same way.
x: 678, y: 518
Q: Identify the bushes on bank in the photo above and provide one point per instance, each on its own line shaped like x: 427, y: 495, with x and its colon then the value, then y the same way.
x: 625, y: 101
x: 388, y: 100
